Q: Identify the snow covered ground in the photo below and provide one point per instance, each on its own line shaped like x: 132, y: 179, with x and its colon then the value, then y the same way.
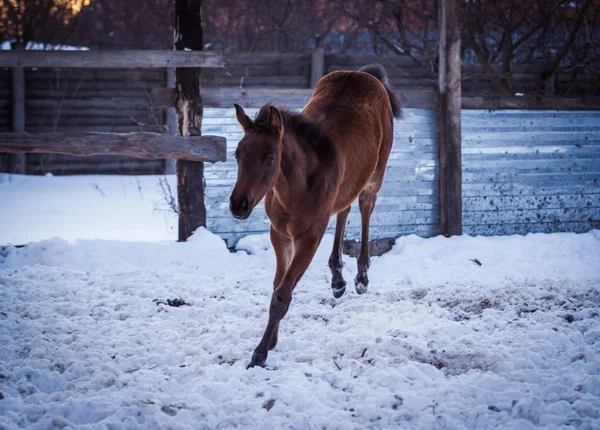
x: 34, y: 208
x: 438, y: 341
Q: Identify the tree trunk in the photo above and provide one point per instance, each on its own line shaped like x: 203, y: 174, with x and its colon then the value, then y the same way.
x: 450, y: 131
x: 190, y: 174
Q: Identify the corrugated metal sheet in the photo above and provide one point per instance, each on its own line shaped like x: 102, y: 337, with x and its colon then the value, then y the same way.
x: 407, y: 201
x: 523, y: 171
x: 530, y: 171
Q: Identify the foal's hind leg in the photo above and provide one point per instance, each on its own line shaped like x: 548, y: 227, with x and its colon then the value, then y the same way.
x: 366, y: 202
x: 338, y: 285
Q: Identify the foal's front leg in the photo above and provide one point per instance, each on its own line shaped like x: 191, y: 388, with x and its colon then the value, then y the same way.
x: 284, y: 249
x: 304, y: 250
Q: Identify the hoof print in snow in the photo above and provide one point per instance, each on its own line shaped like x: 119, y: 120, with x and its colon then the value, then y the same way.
x: 418, y: 294
x: 569, y: 318
x: 269, y: 404
x: 169, y: 410
x: 171, y: 302
x: 494, y: 408
x: 229, y: 361
x: 398, y: 401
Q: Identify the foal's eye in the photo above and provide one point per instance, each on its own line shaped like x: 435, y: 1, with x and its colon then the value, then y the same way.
x: 270, y: 161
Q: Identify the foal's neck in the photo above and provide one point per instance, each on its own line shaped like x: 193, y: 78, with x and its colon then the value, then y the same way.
x: 299, y: 161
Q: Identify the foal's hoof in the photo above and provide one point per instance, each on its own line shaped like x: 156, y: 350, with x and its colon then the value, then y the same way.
x: 258, y: 359
x: 361, y: 283
x: 338, y: 288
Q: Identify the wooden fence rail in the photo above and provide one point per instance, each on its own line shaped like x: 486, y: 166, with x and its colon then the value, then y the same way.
x: 111, y: 59
x: 149, y: 146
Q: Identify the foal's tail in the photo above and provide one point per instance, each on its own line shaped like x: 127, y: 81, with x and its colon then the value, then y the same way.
x: 379, y: 72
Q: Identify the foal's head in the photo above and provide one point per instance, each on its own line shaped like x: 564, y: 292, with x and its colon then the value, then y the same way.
x: 259, y: 159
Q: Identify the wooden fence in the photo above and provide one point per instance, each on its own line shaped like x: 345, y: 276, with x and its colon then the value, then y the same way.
x: 73, y: 100
x: 189, y: 148
x: 118, y: 100
x: 292, y: 70
x: 523, y: 172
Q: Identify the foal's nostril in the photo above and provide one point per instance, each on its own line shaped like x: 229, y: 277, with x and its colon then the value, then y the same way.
x: 240, y: 207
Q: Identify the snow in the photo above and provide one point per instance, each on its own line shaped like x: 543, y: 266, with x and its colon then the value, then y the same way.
x: 111, y: 207
x: 39, y: 46
x: 437, y: 342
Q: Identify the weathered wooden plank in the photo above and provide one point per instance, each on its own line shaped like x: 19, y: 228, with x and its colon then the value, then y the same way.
x: 525, y: 123
x: 138, y: 145
x: 86, y: 112
x: 273, y: 58
x: 96, y: 75
x: 351, y: 233
x: 531, y: 202
x: 39, y: 164
x: 531, y: 103
x: 525, y: 228
x: 583, y: 215
x: 18, y: 161
x: 516, y: 138
x: 537, y: 188
x: 91, y: 122
x: 532, y: 178
x: 97, y: 128
x: 528, y: 114
x: 222, y: 191
x: 102, y: 103
x: 532, y: 166
x: 258, y: 222
x: 254, y: 97
x: 136, y: 94
x: 108, y: 59
x: 262, y: 81
x: 75, y: 87
x: 552, y: 152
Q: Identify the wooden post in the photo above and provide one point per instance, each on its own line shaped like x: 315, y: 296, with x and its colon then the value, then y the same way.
x: 17, y: 161
x: 171, y: 116
x: 190, y: 174
x: 450, y: 104
x: 317, y: 66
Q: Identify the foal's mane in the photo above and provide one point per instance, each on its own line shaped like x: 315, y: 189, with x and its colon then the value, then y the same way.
x: 304, y: 128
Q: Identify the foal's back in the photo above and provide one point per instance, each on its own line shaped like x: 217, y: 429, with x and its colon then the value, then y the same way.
x: 355, y: 110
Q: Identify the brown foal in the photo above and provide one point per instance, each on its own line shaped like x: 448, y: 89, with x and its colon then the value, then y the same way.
x: 309, y: 166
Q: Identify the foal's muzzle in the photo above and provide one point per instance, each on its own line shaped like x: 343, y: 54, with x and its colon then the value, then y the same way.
x: 240, y: 207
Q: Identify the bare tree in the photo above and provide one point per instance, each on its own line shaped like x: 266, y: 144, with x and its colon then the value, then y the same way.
x: 48, y: 21
x: 557, y: 36
x: 268, y: 25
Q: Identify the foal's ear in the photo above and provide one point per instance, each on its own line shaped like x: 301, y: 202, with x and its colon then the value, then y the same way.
x: 275, y: 120
x: 242, y: 118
